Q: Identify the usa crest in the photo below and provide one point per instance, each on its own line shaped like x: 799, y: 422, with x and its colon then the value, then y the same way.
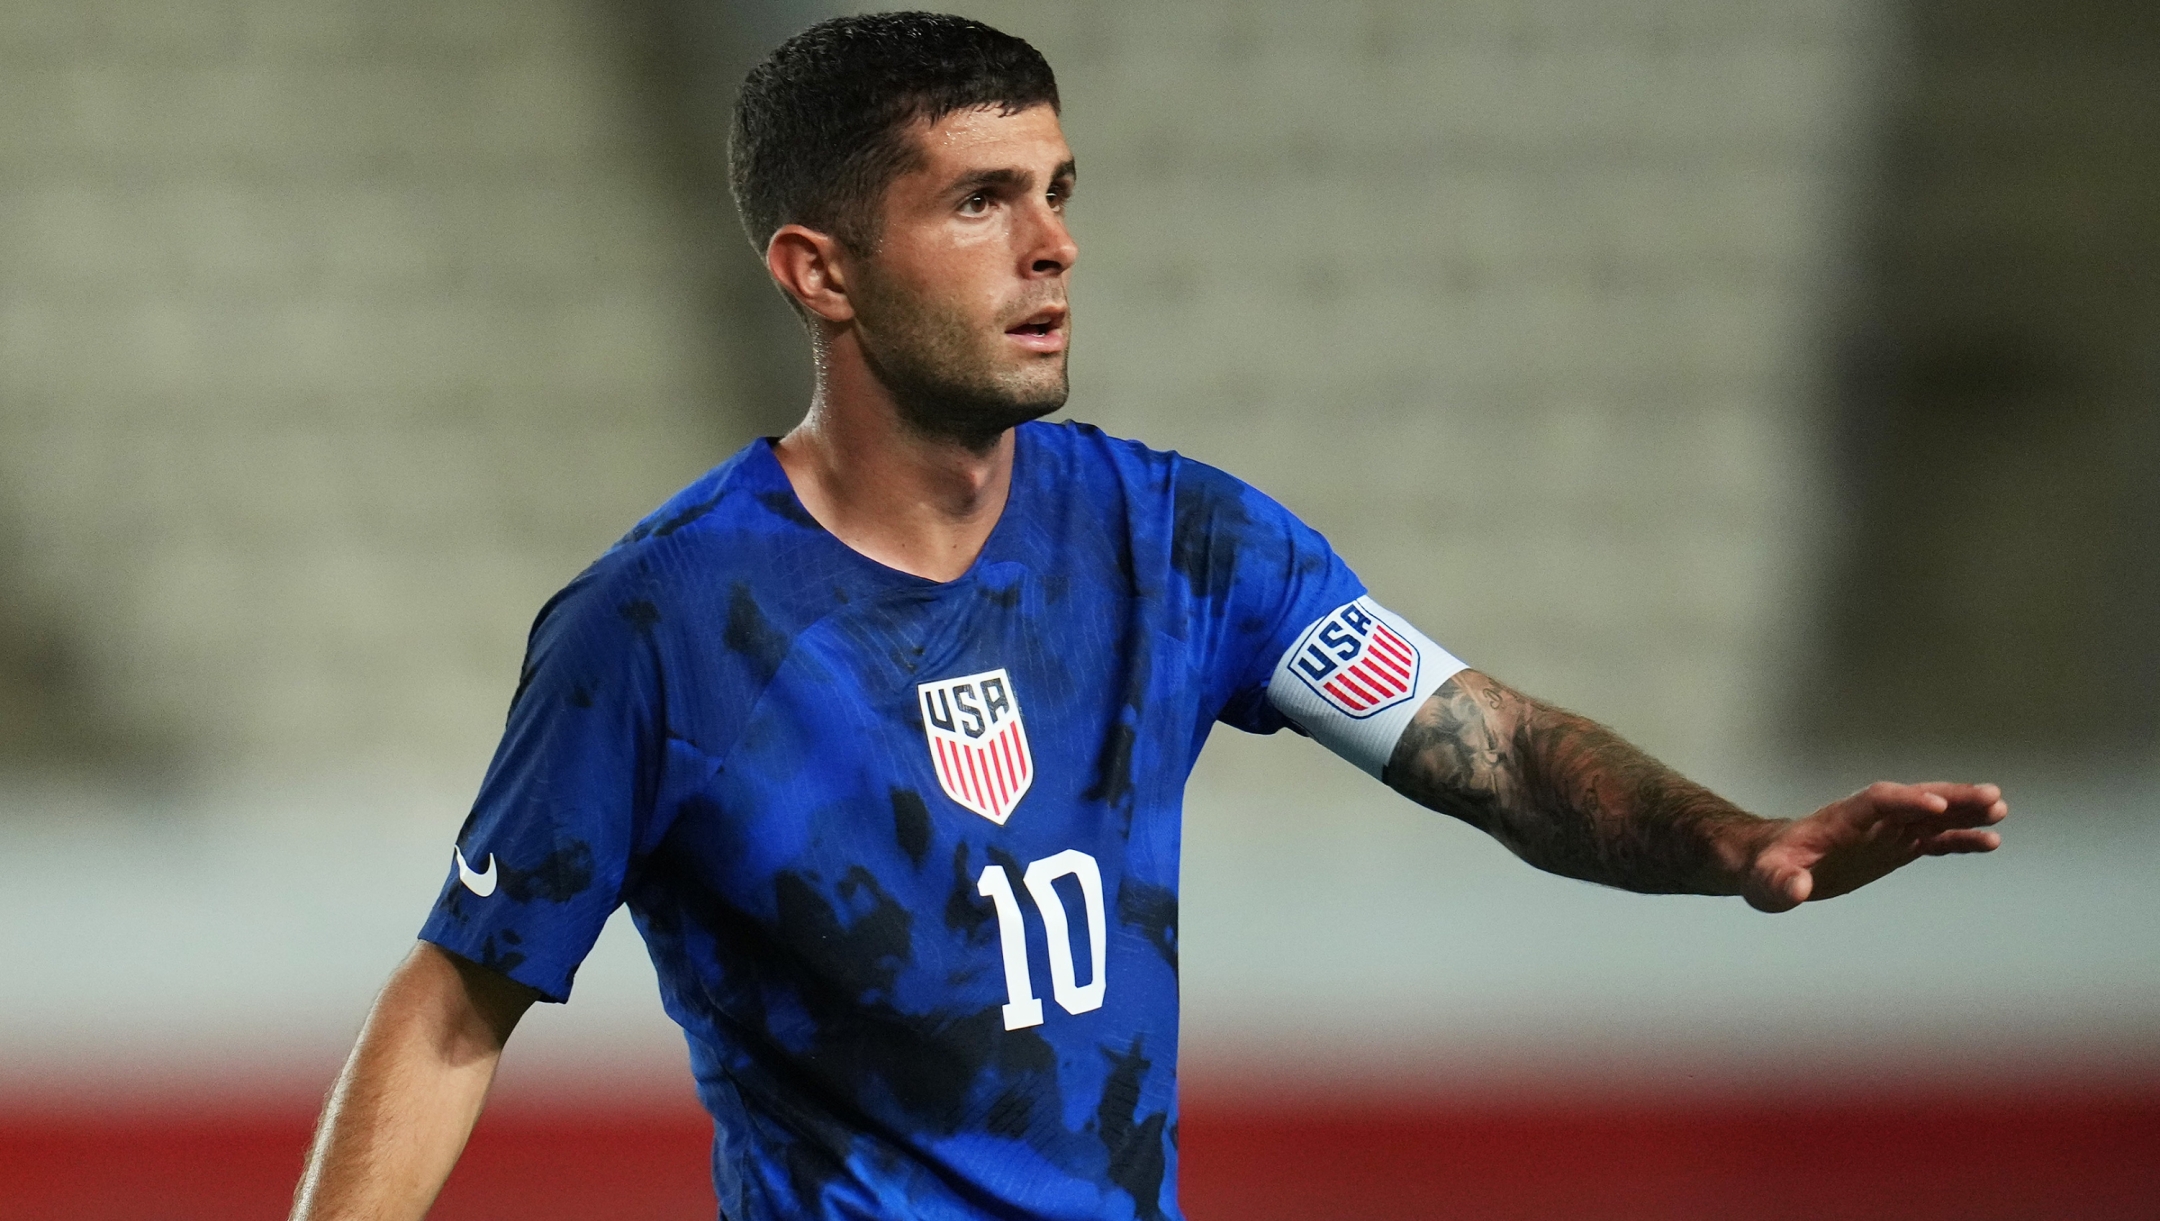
x: 977, y: 742
x: 1356, y: 662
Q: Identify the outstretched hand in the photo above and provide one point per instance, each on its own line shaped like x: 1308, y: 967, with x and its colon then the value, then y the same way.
x: 1851, y: 842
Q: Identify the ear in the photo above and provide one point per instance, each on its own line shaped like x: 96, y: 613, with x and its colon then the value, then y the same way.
x: 807, y: 265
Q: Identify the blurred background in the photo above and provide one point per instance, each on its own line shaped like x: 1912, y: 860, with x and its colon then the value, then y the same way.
x: 1778, y: 383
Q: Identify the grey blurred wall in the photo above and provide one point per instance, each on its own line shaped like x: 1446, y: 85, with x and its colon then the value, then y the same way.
x: 334, y: 335
x: 337, y: 334
x: 1997, y: 583
x: 1513, y: 300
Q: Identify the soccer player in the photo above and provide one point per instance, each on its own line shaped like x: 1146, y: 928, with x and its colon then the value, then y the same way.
x: 881, y: 728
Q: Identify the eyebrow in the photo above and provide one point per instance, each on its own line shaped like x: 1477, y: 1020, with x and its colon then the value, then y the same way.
x: 1008, y: 179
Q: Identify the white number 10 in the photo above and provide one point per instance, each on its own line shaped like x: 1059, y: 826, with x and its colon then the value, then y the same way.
x: 1022, y: 1009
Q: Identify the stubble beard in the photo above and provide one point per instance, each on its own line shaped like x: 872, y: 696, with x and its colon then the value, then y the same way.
x: 944, y: 378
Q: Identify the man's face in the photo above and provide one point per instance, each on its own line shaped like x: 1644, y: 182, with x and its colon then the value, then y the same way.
x: 961, y: 310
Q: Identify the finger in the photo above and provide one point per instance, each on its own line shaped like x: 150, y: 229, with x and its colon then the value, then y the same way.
x: 1950, y: 843
x: 1936, y: 806
x: 1957, y: 794
x: 1957, y: 816
x: 1890, y: 797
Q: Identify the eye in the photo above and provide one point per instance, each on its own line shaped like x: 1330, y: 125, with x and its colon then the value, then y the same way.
x: 975, y: 205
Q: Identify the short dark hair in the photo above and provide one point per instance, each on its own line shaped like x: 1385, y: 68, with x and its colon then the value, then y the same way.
x: 820, y: 125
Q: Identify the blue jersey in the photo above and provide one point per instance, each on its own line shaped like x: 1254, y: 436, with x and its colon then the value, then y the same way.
x: 905, y: 853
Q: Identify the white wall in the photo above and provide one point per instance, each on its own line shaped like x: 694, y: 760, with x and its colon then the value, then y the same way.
x: 236, y: 947
x: 334, y: 335
x: 1514, y: 300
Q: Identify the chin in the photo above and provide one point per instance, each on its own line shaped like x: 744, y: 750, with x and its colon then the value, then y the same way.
x: 977, y: 416
x: 960, y: 392
x: 1036, y: 397
x: 976, y: 411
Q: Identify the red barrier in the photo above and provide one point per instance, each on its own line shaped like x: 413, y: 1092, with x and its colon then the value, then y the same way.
x: 1974, y: 1157
x: 526, y: 1162
x: 1971, y: 1158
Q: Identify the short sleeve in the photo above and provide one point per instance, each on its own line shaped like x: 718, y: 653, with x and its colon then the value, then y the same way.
x: 540, y: 863
x: 1260, y: 576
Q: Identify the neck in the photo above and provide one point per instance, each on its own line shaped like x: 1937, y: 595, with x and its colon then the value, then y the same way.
x: 919, y: 504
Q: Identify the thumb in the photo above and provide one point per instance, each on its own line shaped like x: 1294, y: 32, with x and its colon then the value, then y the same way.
x: 1786, y: 888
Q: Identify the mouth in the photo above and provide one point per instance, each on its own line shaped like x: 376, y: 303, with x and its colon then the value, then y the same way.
x: 1041, y: 331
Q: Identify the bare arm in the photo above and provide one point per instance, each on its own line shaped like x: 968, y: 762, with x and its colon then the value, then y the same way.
x: 1569, y: 796
x: 399, y: 1114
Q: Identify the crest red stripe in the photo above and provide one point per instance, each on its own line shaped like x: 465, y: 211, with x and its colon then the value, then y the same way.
x: 1385, y: 663
x: 954, y: 785
x: 963, y: 787
x: 963, y: 791
x: 975, y: 779
x: 944, y: 768
x: 974, y: 761
x: 997, y: 776
x: 1005, y: 757
x: 1396, y: 647
x: 1386, y: 680
x: 1350, y: 679
x: 1381, y: 688
x: 1395, y: 650
x: 1387, y: 651
x: 997, y: 757
x: 998, y: 787
x: 1358, y: 703
x: 1020, y: 739
x: 1388, y: 684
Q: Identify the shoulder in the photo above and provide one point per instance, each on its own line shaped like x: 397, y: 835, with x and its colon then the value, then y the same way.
x: 732, y: 521
x: 1192, y: 492
x: 1211, y: 525
x: 1072, y: 448
x: 726, y: 526
x: 741, y: 495
x: 1085, y: 454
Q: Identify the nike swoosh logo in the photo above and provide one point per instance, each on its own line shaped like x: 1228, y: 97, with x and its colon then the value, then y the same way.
x: 479, y: 882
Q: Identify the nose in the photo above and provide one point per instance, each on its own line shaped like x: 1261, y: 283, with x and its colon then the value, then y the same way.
x: 1053, y: 251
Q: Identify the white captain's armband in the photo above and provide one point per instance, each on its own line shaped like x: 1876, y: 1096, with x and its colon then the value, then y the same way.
x: 1355, y: 678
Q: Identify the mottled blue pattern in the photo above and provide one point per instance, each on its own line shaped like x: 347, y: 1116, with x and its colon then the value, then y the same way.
x: 717, y: 724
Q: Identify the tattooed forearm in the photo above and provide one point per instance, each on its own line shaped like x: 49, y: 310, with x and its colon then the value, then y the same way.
x: 1567, y: 794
